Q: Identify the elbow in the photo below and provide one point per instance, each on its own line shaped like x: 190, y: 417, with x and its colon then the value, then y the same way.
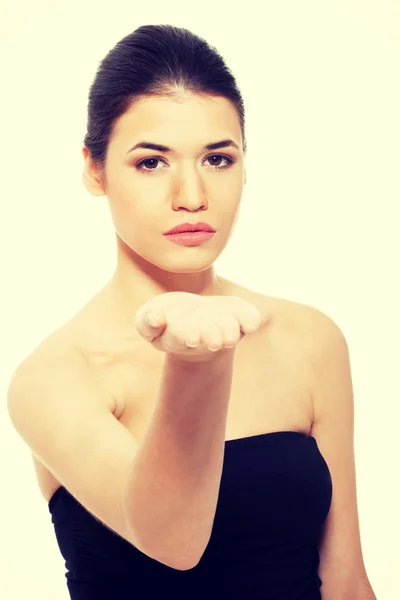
x: 177, y: 559
x: 179, y: 564
x: 168, y: 546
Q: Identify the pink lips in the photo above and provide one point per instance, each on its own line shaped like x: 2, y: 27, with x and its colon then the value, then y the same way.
x: 190, y: 238
x: 190, y: 227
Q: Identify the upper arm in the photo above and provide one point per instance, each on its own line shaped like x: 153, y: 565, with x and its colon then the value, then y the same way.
x: 61, y: 412
x: 342, y: 569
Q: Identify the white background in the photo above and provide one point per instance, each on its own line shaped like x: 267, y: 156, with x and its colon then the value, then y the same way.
x: 319, y: 220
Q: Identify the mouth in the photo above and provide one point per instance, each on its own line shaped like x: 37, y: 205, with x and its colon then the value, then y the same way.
x: 190, y: 238
x: 191, y: 228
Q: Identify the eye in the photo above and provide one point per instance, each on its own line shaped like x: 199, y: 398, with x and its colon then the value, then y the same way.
x: 147, y: 160
x: 230, y: 161
x: 156, y: 159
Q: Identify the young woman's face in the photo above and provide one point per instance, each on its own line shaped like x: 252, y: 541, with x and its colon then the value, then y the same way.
x: 150, y: 191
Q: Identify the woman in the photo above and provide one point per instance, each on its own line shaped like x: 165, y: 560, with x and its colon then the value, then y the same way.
x: 190, y: 436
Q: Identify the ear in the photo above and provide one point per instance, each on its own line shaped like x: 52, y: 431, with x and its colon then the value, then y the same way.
x: 91, y: 176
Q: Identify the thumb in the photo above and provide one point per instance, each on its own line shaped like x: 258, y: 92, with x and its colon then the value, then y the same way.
x: 144, y: 324
x: 155, y: 320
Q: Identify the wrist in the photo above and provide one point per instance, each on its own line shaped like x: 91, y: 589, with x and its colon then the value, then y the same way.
x: 210, y: 359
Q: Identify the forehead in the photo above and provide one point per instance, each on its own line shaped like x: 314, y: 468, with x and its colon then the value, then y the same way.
x: 175, y: 119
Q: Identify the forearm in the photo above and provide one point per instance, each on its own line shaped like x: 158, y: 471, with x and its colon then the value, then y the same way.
x: 174, y: 483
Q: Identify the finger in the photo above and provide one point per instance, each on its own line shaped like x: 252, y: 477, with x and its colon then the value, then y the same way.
x: 156, y: 320
x: 231, y: 332
x: 150, y: 325
x: 212, y: 337
x: 249, y: 318
x: 189, y: 332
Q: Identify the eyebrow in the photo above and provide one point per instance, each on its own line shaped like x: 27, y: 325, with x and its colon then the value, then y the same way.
x: 161, y: 148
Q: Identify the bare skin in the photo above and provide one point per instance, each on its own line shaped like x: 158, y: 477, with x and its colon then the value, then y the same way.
x: 271, y: 389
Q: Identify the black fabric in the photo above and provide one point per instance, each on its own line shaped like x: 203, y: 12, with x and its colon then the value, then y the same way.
x: 274, y: 497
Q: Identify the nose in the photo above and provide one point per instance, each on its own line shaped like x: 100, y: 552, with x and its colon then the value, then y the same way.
x: 189, y: 191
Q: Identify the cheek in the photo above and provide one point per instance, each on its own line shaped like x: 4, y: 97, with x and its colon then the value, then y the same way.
x: 132, y: 219
x: 136, y: 220
x: 127, y: 201
x: 229, y: 205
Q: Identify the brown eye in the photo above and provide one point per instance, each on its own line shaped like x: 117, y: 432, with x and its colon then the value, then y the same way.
x: 219, y: 157
x: 146, y: 165
x: 145, y: 162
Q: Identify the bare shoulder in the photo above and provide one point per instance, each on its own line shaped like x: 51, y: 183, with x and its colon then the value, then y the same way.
x: 293, y: 313
x: 313, y: 328
x: 304, y: 326
x: 62, y: 350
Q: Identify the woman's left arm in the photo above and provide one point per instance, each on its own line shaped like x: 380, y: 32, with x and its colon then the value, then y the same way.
x: 342, y: 569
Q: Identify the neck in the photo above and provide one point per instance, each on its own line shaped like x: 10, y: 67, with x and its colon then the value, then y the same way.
x: 136, y: 281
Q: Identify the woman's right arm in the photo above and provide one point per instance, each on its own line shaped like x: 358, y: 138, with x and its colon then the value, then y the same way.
x: 160, y: 494
x: 173, y: 485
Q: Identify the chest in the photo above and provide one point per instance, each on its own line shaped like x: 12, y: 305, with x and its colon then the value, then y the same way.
x: 271, y: 385
x: 271, y: 389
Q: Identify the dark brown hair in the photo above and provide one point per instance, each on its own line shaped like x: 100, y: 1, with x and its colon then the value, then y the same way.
x: 154, y: 60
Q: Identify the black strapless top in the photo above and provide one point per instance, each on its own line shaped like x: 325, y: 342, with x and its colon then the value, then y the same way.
x: 275, y: 494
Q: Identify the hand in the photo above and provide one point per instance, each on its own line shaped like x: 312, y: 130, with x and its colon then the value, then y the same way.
x: 193, y: 326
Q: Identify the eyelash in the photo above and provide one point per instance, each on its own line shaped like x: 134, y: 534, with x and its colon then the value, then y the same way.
x: 216, y: 168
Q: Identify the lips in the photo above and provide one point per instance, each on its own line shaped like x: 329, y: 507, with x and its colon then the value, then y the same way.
x: 185, y: 227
